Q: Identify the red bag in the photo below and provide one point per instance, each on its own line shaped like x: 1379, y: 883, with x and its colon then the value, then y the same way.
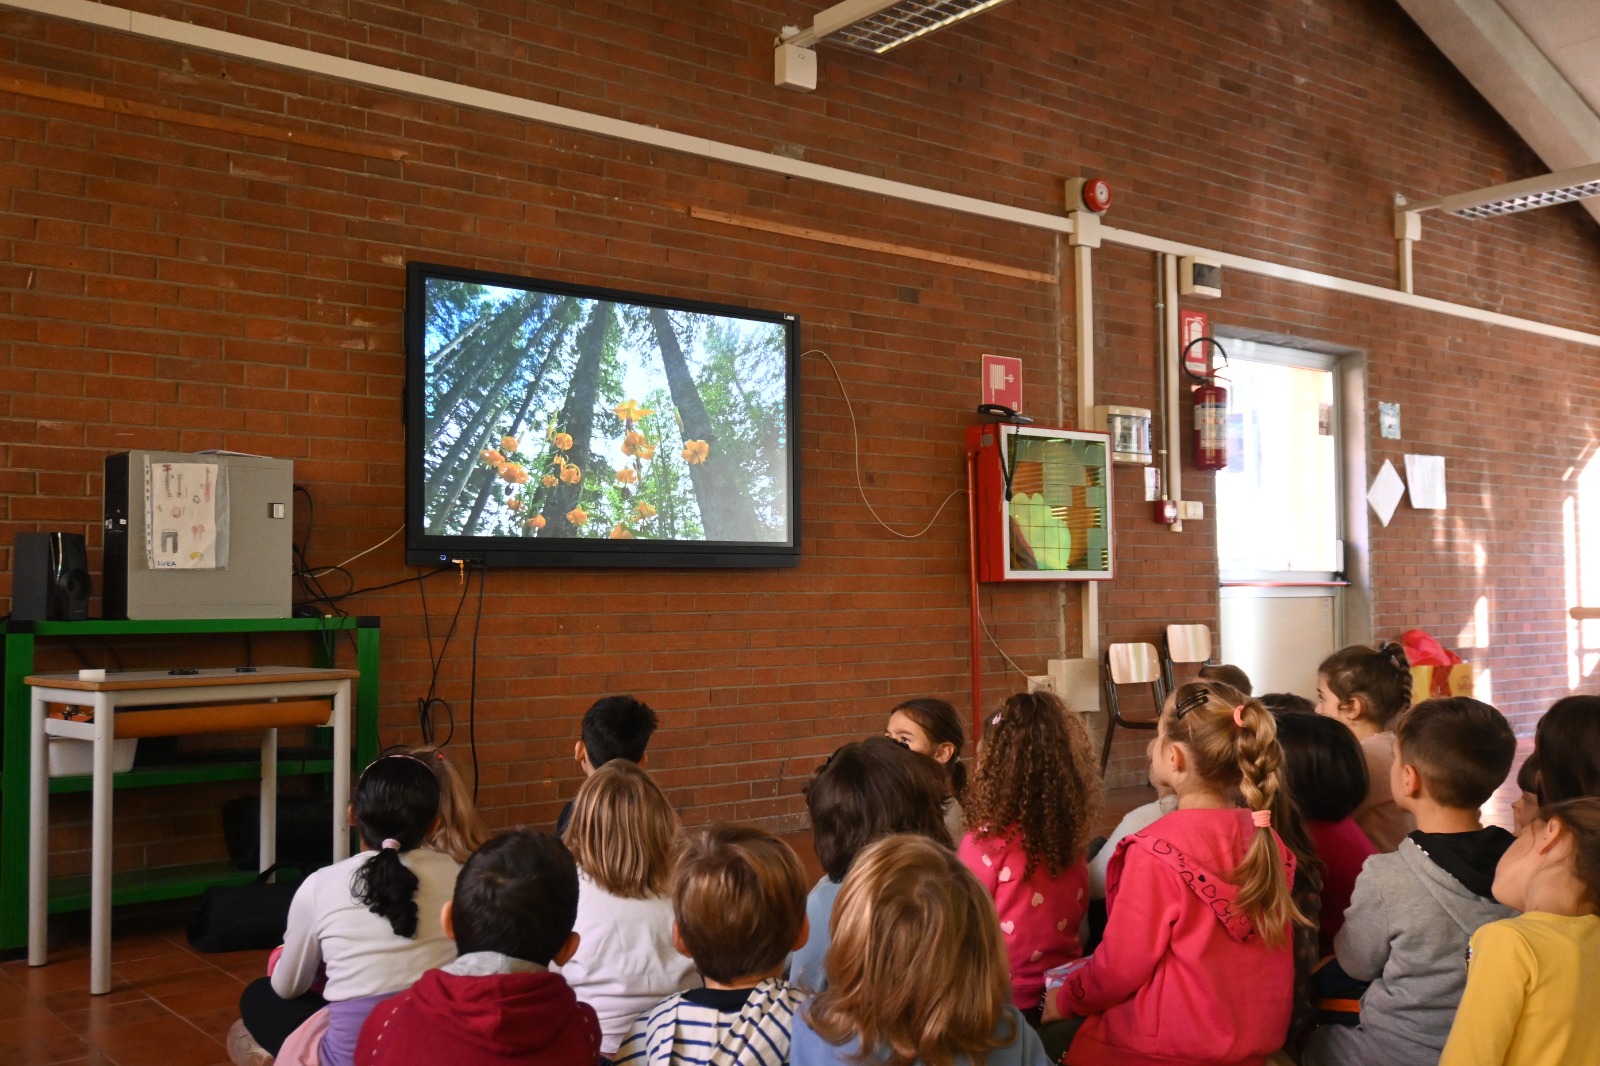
x: 1423, y: 650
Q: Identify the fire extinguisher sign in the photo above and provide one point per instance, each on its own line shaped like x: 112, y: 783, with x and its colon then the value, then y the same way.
x: 1002, y: 381
x: 1193, y: 325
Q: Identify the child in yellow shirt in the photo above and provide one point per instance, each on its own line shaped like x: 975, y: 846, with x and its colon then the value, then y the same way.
x: 1531, y: 979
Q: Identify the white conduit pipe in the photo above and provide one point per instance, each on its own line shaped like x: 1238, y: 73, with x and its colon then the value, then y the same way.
x: 1083, y: 281
x: 315, y: 63
x: 1175, y: 391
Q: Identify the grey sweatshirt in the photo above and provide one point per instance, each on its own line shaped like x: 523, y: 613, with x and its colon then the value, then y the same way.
x: 1406, y: 931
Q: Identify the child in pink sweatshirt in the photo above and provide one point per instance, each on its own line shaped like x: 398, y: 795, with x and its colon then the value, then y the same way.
x: 1197, y: 964
x: 1034, y: 795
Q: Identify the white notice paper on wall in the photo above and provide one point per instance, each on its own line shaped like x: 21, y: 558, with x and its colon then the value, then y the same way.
x: 1384, y: 495
x: 1425, y: 477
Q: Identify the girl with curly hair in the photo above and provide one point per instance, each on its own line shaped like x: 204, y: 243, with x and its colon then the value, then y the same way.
x: 1031, y: 803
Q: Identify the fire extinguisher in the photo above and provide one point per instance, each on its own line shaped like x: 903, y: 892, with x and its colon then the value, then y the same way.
x: 1210, y: 413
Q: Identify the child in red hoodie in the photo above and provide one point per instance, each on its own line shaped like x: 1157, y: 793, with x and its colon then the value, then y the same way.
x: 1197, y: 964
x: 514, y: 907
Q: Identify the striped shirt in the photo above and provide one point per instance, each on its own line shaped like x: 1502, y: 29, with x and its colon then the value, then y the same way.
x: 682, y: 1032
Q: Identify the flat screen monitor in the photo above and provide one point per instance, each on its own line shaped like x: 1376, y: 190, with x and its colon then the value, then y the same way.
x: 559, y: 425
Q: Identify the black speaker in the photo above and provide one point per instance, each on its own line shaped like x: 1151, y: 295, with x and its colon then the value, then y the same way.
x: 50, y: 577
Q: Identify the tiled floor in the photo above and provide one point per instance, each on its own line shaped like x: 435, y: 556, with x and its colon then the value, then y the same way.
x: 169, y: 1005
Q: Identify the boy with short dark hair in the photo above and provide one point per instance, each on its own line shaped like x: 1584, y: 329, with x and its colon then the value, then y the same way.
x: 1413, y: 911
x: 739, y: 895
x: 614, y: 727
x: 515, y: 903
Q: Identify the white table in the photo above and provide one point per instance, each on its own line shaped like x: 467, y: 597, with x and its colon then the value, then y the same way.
x: 253, y: 695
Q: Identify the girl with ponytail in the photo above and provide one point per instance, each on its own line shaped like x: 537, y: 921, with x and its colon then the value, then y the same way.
x: 1367, y: 690
x: 930, y: 726
x: 370, y: 922
x: 1197, y: 964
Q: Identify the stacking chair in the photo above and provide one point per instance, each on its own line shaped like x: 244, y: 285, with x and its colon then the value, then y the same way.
x: 1183, y: 644
x: 1130, y: 664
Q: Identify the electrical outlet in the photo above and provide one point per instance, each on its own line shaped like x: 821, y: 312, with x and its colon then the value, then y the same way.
x: 1041, y: 683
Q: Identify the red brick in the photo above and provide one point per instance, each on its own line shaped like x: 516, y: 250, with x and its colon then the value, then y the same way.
x: 252, y: 291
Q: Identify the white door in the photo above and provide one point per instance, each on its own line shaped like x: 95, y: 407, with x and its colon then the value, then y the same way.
x: 1280, y: 548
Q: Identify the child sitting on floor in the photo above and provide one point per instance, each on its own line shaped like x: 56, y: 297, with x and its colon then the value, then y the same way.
x: 1226, y: 674
x: 1197, y: 964
x: 460, y: 831
x: 1327, y: 780
x: 916, y: 972
x: 372, y: 921
x: 1034, y: 795
x: 1531, y: 979
x: 739, y: 895
x: 1413, y: 912
x: 1567, y: 744
x: 614, y: 727
x: 1367, y: 690
x: 866, y: 790
x: 622, y: 834
x: 1526, y: 806
x: 498, y: 1003
x: 930, y: 726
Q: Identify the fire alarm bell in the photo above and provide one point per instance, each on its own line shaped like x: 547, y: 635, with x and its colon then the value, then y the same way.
x: 1088, y: 194
x: 1198, y: 276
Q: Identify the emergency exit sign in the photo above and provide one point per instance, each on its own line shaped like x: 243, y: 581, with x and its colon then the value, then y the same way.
x: 1002, y: 381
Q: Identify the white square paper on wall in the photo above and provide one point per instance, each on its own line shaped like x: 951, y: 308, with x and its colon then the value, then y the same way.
x: 1425, y: 479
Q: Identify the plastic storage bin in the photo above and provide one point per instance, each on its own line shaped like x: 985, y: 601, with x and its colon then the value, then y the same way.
x: 67, y: 757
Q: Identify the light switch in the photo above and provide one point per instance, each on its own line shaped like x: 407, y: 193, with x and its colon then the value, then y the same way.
x: 277, y: 510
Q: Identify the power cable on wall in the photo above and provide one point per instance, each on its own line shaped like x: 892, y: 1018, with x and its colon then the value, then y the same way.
x: 855, y: 436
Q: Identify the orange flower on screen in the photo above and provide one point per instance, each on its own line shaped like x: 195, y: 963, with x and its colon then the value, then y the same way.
x: 644, y: 510
x: 492, y: 457
x: 563, y: 440
x: 513, y: 474
x: 571, y: 474
x: 547, y: 480
x: 695, y: 451
x: 508, y: 443
x: 536, y: 522
x: 627, y: 475
x: 629, y: 410
x: 620, y: 532
x: 633, y: 442
x: 577, y: 516
x: 515, y: 503
x: 646, y: 451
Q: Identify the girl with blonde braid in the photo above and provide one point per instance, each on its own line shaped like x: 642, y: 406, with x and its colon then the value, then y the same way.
x: 1031, y: 804
x: 1197, y: 964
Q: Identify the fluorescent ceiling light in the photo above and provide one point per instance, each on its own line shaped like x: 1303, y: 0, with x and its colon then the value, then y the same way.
x: 907, y: 20
x: 866, y: 25
x: 1559, y: 188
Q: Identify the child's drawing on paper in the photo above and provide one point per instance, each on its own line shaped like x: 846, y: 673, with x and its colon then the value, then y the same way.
x: 181, y: 516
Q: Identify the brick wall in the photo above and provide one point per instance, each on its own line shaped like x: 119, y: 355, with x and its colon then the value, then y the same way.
x: 169, y: 281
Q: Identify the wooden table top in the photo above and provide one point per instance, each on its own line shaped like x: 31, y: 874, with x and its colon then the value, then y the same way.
x: 130, y: 680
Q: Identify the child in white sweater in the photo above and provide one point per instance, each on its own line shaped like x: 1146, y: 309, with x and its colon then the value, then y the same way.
x: 371, y: 921
x: 622, y: 832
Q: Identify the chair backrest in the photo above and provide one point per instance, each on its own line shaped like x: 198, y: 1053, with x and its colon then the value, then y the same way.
x: 1133, y: 664
x: 1188, y: 643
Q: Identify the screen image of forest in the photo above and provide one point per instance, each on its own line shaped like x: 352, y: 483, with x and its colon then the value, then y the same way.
x: 552, y: 415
